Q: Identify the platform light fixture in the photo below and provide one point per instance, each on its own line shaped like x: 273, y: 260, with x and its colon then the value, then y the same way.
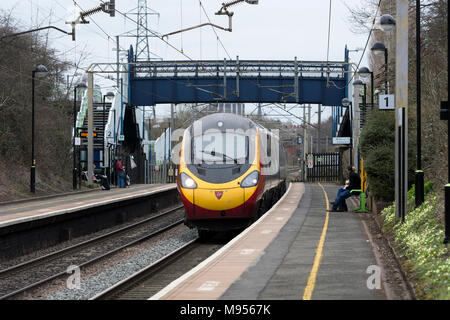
x: 364, y: 73
x: 40, y: 72
x: 75, y: 173
x: 348, y: 104
x: 387, y: 22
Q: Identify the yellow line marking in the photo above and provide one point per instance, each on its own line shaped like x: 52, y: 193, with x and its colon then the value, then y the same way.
x: 307, y: 294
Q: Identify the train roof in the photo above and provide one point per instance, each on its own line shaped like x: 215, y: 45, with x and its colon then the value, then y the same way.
x: 226, y: 121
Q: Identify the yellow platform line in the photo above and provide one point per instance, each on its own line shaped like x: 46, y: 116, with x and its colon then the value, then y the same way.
x: 307, y: 294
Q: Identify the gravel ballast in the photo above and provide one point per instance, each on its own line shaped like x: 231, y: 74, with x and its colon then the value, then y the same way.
x: 91, y: 286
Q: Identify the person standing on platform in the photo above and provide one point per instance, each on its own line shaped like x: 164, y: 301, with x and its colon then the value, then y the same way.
x: 120, y: 174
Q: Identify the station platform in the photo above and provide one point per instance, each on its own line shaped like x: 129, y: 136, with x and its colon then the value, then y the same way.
x: 297, y: 250
x: 35, y: 209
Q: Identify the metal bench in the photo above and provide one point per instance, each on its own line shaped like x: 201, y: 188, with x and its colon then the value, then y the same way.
x: 362, y: 201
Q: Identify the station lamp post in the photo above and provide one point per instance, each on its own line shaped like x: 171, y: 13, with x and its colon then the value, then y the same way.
x: 378, y: 49
x: 74, y: 172
x: 40, y: 72
x: 108, y: 95
x: 360, y: 83
x: 348, y: 104
x: 419, y: 176
x: 364, y: 74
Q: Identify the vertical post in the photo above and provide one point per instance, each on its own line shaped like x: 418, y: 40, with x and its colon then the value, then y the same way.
x: 150, y: 148
x: 372, y: 91
x: 224, y: 78
x: 401, y: 105
x: 103, y: 127
x: 319, y: 115
x: 90, y: 130
x: 171, y: 126
x: 419, y: 179
x: 305, y: 143
x: 33, y: 160
x: 296, y: 80
x: 445, y: 115
x: 386, y: 86
x: 143, y: 123
x: 447, y: 186
x: 74, y: 173
x: 165, y: 151
x: 350, y: 114
x: 121, y: 109
x: 309, y: 121
x: 237, y: 76
x: 447, y: 210
x: 118, y: 61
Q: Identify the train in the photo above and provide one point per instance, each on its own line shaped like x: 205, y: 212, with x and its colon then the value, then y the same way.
x: 231, y: 170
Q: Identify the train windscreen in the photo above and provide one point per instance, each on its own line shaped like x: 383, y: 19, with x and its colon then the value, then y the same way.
x: 220, y: 148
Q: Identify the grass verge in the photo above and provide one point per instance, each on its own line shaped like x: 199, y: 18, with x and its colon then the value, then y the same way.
x: 419, y: 244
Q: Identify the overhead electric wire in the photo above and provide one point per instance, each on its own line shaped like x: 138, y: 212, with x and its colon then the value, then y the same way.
x: 217, y: 36
x: 365, y: 47
x: 328, y: 45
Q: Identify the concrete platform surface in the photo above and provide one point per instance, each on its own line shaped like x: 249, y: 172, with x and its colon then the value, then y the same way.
x: 297, y: 250
x: 37, y: 209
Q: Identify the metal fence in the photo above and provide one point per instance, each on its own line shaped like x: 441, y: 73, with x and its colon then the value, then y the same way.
x: 323, y: 167
x: 165, y: 172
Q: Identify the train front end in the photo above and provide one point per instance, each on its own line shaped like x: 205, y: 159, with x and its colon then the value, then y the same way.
x: 220, y: 181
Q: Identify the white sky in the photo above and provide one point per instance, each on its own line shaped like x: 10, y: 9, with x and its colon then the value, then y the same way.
x: 271, y: 30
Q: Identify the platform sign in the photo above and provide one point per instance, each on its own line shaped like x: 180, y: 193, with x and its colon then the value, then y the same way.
x: 386, y: 102
x: 85, y: 134
x: 341, y: 140
x: 310, y: 161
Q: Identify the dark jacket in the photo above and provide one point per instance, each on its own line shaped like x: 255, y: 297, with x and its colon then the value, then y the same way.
x: 355, y: 181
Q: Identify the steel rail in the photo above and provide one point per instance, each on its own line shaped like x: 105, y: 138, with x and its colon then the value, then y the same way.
x: 122, y: 285
x: 66, y: 250
x: 108, y: 253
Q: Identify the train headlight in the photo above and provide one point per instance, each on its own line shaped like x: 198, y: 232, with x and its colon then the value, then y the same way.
x: 251, y: 180
x: 187, y: 182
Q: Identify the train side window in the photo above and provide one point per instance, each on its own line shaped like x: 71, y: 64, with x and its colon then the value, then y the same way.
x: 247, y: 148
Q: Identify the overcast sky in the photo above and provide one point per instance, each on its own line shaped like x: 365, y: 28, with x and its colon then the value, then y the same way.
x: 273, y: 29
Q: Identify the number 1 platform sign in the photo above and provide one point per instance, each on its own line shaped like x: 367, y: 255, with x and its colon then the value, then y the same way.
x: 386, y: 102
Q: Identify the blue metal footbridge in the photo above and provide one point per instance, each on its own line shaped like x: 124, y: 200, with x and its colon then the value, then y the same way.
x: 148, y: 83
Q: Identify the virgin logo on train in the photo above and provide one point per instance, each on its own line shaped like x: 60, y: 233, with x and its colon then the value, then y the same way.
x: 219, y: 194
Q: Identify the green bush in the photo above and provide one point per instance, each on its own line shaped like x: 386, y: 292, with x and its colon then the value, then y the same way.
x: 377, y: 146
x: 380, y: 172
x: 420, y: 242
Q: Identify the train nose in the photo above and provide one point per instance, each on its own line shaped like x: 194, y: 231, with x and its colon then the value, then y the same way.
x: 220, y: 199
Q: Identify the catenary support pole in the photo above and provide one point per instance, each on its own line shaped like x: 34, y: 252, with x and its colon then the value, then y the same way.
x: 33, y: 160
x: 90, y: 130
x: 401, y: 105
x: 419, y: 179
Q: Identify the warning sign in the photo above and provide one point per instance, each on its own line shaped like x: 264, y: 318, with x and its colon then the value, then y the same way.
x: 310, y: 161
x: 85, y: 134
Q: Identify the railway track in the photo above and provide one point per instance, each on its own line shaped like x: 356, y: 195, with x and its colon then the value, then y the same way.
x: 150, y: 280
x: 20, y: 278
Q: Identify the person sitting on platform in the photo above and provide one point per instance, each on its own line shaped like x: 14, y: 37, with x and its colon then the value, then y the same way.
x: 354, y: 183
